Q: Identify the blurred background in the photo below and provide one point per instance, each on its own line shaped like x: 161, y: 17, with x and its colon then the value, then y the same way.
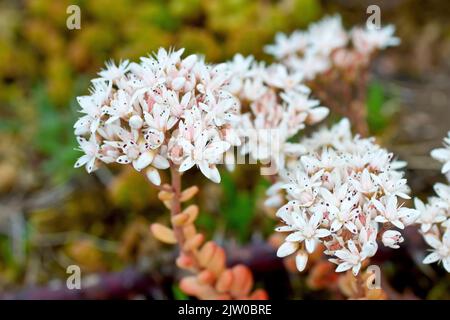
x: 53, y: 216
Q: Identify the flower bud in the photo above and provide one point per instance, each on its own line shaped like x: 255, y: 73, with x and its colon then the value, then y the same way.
x: 136, y: 122
x: 391, y: 238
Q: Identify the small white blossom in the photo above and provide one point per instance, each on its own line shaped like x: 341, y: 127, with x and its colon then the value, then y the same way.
x: 113, y: 72
x: 430, y: 213
x: 443, y: 154
x: 370, y: 39
x: 90, y: 148
x: 351, y: 258
x: 390, y: 212
x: 440, y: 251
x: 205, y: 153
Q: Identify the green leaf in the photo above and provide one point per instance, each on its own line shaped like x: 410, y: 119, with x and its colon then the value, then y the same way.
x: 239, y: 206
x: 54, y: 139
x: 376, y: 99
x: 178, y: 294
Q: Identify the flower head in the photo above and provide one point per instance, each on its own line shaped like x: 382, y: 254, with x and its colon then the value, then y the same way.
x: 327, y: 45
x: 275, y: 106
x: 165, y: 109
x: 434, y: 218
x: 337, y: 195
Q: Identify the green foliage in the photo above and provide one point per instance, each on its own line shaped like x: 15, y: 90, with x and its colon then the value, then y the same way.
x: 39, y: 96
x: 54, y: 138
x: 44, y: 66
x: 239, y: 206
x: 376, y: 99
x: 6, y: 254
x: 178, y: 294
x: 441, y: 291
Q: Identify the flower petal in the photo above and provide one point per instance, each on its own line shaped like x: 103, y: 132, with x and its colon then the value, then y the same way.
x: 143, y: 161
x: 286, y: 249
x: 153, y: 176
x: 344, y: 266
x: 300, y: 260
x: 310, y: 245
x: 186, y: 164
x: 431, y: 258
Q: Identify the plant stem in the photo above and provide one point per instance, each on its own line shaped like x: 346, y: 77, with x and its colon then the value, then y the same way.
x: 208, y: 264
x: 175, y: 208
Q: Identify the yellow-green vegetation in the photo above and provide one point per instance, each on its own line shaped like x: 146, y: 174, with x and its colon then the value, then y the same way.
x: 44, y: 66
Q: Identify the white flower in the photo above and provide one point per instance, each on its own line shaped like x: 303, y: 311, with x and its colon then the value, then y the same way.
x: 90, y: 148
x: 120, y: 107
x: 223, y: 111
x: 165, y: 60
x: 177, y: 106
x: 285, y: 46
x: 327, y: 35
x: 300, y: 105
x: 137, y: 154
x: 160, y: 118
x: 392, y: 184
x: 302, y: 186
x: 335, y: 198
x: 91, y: 121
x: 344, y: 215
x: 363, y: 183
x: 389, y: 212
x: 443, y: 154
x: 113, y: 72
x: 351, y: 258
x: 369, y: 39
x: 443, y: 191
x: 205, y: 152
x: 303, y: 230
x: 92, y: 106
x: 432, y: 213
x: 307, y: 230
x: 311, y: 64
x: 441, y: 249
x: 277, y: 75
x: 275, y: 198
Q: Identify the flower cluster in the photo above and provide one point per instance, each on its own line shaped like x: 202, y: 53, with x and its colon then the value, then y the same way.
x: 345, y: 194
x: 275, y: 107
x: 326, y: 44
x: 164, y: 109
x: 434, y: 216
